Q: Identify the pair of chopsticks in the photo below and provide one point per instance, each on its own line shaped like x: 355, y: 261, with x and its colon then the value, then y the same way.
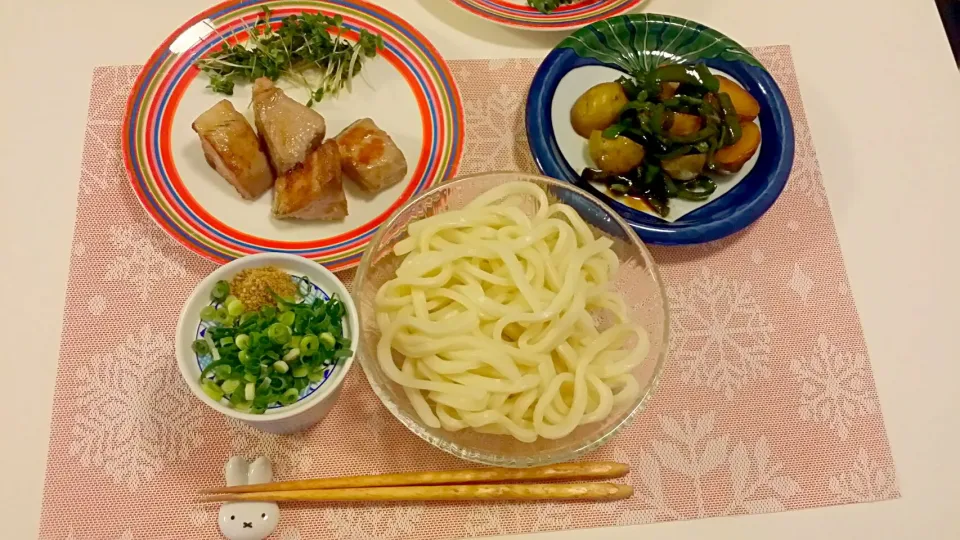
x: 461, y: 485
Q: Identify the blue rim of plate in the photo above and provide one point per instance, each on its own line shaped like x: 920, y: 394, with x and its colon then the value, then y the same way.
x: 653, y: 39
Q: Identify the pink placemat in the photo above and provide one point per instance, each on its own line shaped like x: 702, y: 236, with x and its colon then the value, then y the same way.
x: 767, y: 404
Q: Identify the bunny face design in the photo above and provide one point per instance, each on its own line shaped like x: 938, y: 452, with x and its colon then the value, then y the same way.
x: 248, y: 520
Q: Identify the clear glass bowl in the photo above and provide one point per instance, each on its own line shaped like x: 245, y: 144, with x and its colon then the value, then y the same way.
x: 638, y: 281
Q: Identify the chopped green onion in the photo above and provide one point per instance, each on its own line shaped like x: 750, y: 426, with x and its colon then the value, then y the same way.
x: 257, y: 359
x: 211, y: 389
x: 220, y: 291
x: 287, y: 318
x: 222, y: 372
x: 279, y: 333
x: 208, y: 313
x: 235, y: 308
x: 300, y: 371
x: 309, y: 345
x: 229, y: 386
x: 213, y: 348
x: 201, y: 348
x: 290, y: 396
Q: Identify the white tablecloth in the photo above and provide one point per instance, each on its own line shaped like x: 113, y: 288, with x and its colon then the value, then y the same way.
x: 880, y: 90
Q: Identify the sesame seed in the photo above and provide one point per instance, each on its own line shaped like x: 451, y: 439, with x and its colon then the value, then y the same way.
x: 255, y: 287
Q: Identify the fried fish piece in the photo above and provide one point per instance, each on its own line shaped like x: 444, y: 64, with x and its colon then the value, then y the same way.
x: 290, y: 129
x: 233, y: 150
x: 370, y: 157
x: 312, y: 189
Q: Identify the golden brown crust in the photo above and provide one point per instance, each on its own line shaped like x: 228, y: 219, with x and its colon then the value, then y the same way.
x: 313, y: 189
x: 370, y: 157
x: 232, y: 148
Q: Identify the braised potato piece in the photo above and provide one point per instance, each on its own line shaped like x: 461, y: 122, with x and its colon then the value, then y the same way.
x: 668, y: 90
x: 731, y: 158
x: 747, y: 107
x: 597, y: 108
x: 685, y: 167
x: 684, y: 124
x: 616, y: 156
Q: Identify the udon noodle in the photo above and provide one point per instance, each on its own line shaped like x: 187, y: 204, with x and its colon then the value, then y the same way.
x: 494, y: 311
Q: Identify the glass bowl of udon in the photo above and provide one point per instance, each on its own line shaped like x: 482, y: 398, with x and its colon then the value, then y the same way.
x: 511, y: 319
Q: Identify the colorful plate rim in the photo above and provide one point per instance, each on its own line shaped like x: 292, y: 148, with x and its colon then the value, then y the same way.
x: 564, y: 18
x: 163, y: 79
x: 739, y: 207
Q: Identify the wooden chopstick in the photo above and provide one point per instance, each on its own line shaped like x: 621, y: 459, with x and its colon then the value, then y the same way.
x: 595, y: 470
x: 475, y: 492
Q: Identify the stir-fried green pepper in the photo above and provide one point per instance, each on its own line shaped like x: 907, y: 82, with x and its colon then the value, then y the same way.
x: 702, y: 135
x: 696, y: 76
x: 731, y: 121
x: 651, y: 119
x: 699, y: 189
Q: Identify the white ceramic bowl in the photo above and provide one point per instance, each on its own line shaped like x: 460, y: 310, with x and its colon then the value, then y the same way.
x: 314, y: 405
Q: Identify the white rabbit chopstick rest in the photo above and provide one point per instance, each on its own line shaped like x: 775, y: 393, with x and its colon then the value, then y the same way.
x: 248, y: 520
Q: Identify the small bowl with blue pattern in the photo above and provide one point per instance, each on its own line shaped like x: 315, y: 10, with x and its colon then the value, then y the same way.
x: 315, y: 399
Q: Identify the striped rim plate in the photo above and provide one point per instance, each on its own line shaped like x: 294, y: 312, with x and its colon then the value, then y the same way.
x: 408, y: 90
x: 518, y: 13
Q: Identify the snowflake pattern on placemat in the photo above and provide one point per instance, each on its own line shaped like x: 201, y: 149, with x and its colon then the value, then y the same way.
x: 720, y: 335
x: 140, y: 263
x: 767, y: 402
x: 360, y: 522
x: 866, y: 481
x: 833, y: 386
x: 134, y: 417
x: 285, y: 452
x: 102, y: 166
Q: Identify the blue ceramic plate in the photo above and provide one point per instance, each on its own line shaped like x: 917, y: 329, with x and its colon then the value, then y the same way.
x: 605, y: 50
